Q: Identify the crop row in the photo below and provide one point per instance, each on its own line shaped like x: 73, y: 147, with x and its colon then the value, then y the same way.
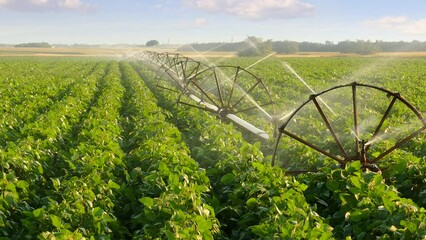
x: 163, y: 195
x: 29, y: 163
x: 84, y: 193
x: 251, y: 198
x: 102, y: 162
x: 24, y: 97
x: 103, y: 153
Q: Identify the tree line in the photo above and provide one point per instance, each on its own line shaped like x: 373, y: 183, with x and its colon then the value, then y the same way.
x: 34, y: 45
x: 257, y: 46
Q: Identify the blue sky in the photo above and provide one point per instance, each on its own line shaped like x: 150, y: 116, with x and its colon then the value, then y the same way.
x: 188, y: 21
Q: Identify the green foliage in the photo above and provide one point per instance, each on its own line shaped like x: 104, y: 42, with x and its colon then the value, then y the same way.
x: 407, y: 173
x: 219, y: 152
x: 401, y: 75
x: 163, y: 193
x: 257, y: 200
x: 285, y: 47
x: 87, y: 151
x: 251, y: 199
x: 359, y: 47
x: 360, y: 205
x: 152, y: 43
x: 34, y: 45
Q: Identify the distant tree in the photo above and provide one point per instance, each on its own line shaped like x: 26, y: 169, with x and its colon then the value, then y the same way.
x: 152, y: 43
x: 266, y: 47
x: 34, y: 45
x: 215, y: 46
x: 286, y: 47
x: 359, y: 47
x: 255, y: 46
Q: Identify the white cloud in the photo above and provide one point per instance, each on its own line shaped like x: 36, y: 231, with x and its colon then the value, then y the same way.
x: 209, y: 5
x: 200, y: 22
x: 71, y: 4
x: 399, y: 24
x: 44, y: 5
x: 260, y: 9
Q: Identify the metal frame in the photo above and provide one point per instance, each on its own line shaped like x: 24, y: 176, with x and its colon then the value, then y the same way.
x: 188, y: 76
x: 361, y: 147
x: 229, y: 103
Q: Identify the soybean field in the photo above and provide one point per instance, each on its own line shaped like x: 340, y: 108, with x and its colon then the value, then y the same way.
x: 93, y: 149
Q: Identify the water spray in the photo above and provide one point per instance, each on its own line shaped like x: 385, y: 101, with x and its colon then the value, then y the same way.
x: 210, y: 89
x: 222, y: 95
x: 306, y: 84
x: 361, y: 146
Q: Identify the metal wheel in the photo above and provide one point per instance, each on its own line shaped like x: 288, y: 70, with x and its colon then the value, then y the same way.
x: 230, y: 92
x: 352, y: 122
x: 231, y: 89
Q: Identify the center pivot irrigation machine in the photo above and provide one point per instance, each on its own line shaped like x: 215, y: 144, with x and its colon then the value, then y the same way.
x: 343, y: 123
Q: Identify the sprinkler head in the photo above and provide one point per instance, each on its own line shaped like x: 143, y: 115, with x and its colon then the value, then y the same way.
x: 372, y: 167
x: 222, y: 112
x: 274, y: 119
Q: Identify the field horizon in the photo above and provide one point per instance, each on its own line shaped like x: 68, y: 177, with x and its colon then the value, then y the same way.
x: 118, y: 52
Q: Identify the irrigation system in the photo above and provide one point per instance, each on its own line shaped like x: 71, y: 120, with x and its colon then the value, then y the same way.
x: 360, y: 146
x: 230, y: 92
x: 237, y: 95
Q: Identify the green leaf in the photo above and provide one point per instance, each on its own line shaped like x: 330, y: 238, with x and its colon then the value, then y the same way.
x: 260, y: 230
x: 203, y: 225
x: 227, y: 178
x: 354, y: 166
x: 258, y: 165
x: 376, y: 181
x: 70, y: 164
x: 37, y: 213
x: 163, y: 169
x: 56, y: 221
x: 173, y: 179
x: 358, y: 215
x: 97, y: 212
x: 22, y: 184
x: 113, y: 185
x: 11, y: 187
x: 56, y: 183
x: 40, y: 169
x: 333, y: 185
x: 147, y: 201
x: 361, y: 235
x: 389, y: 203
x: 347, y: 199
x: 355, y: 181
x: 412, y: 227
x: 251, y: 203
